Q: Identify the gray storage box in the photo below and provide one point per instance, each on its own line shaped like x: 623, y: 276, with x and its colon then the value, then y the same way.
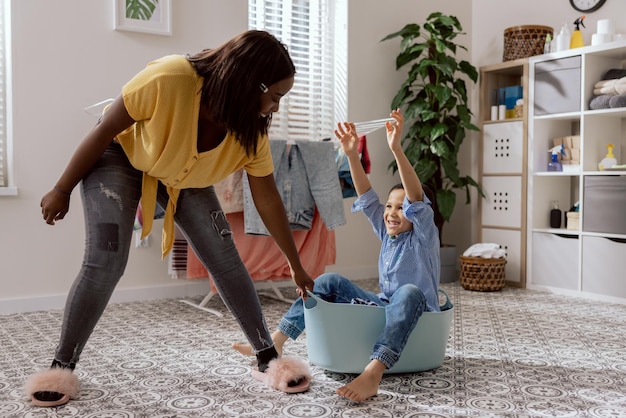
x: 604, y: 204
x: 557, y: 86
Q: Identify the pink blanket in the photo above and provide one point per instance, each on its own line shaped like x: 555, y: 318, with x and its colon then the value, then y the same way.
x: 263, y: 258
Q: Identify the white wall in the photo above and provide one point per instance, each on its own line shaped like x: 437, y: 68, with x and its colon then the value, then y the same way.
x: 66, y: 56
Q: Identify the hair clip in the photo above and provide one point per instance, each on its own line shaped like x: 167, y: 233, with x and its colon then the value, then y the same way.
x: 264, y: 88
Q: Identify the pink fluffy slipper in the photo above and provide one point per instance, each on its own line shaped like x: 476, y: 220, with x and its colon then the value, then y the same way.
x: 61, y: 381
x: 287, y: 374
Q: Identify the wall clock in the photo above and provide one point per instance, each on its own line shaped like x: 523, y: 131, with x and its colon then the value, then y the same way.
x: 587, y: 6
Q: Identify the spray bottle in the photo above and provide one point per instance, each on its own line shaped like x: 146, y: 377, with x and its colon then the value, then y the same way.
x: 554, y: 164
x: 608, y: 161
x: 577, y: 36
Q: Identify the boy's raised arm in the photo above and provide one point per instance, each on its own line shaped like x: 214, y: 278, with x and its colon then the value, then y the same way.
x: 410, y: 181
x: 346, y: 133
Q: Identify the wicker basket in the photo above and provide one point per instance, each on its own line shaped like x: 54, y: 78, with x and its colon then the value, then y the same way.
x: 483, y: 274
x: 525, y: 41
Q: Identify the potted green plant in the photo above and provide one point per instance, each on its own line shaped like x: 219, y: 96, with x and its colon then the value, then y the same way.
x: 433, y: 98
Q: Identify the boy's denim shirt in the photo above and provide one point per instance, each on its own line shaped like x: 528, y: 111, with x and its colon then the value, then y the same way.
x: 413, y: 256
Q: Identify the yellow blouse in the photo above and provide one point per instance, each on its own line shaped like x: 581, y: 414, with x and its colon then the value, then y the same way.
x: 164, y: 100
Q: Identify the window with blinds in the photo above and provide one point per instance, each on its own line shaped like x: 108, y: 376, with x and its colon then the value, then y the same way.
x: 314, y: 32
x: 4, y: 163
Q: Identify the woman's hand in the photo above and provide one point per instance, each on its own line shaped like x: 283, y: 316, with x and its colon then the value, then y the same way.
x: 303, y: 281
x: 54, y: 205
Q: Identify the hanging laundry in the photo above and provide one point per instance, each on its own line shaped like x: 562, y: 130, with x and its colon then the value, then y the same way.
x: 343, y: 168
x: 306, y: 180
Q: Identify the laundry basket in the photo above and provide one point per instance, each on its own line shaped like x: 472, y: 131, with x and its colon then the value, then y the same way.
x: 340, y: 337
x: 482, y: 274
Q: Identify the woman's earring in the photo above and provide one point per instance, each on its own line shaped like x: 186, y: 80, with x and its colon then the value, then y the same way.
x: 264, y: 88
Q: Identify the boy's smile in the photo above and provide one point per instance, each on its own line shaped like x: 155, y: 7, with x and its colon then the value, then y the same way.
x: 395, y: 222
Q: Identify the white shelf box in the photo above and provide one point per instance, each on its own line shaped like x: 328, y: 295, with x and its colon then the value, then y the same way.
x: 555, y: 260
x: 557, y: 86
x: 502, y: 206
x: 604, y: 265
x: 503, y: 148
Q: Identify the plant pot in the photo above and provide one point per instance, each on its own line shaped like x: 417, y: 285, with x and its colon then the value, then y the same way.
x: 449, y: 261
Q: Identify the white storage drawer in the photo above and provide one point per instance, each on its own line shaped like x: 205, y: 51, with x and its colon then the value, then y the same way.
x: 503, y: 205
x: 503, y: 146
x: 604, y: 204
x: 604, y: 266
x: 557, y: 86
x: 555, y: 260
x: 511, y: 242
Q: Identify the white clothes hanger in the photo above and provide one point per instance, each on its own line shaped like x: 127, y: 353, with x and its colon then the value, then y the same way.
x: 364, y: 128
x: 96, y: 108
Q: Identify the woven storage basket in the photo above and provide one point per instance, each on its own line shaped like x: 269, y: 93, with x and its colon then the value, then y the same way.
x: 525, y: 41
x: 483, y: 274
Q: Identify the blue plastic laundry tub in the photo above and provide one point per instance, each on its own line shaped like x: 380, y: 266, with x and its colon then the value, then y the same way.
x: 340, y: 337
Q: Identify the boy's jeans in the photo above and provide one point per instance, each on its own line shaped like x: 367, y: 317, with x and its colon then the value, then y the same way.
x: 402, y: 312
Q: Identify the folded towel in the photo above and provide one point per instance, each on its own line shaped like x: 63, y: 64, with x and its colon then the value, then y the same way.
x: 600, y: 102
x: 616, y: 86
x: 617, y: 101
x: 614, y: 73
x: 603, y: 83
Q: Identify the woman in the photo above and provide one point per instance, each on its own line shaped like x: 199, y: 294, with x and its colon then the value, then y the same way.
x: 179, y: 126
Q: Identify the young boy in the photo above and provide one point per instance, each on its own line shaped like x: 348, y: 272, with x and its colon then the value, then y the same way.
x: 408, y: 264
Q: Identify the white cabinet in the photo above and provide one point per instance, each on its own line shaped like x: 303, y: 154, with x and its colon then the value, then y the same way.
x: 579, y: 260
x: 604, y: 264
x: 503, y: 169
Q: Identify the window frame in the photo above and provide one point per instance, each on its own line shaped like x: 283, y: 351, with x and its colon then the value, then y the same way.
x: 314, y: 33
x: 7, y: 185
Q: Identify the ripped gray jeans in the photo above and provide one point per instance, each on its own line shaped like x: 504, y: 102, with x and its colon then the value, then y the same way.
x: 111, y: 191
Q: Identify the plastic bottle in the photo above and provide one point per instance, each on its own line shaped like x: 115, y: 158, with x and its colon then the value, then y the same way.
x: 577, y: 36
x: 547, y: 46
x: 564, y: 38
x: 555, y: 215
x: 608, y: 161
x: 554, y: 164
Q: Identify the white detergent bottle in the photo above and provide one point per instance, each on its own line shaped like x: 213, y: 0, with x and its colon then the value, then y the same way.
x: 564, y: 38
x: 608, y: 161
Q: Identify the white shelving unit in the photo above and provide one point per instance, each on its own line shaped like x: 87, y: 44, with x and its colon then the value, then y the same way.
x: 503, y: 169
x: 577, y: 261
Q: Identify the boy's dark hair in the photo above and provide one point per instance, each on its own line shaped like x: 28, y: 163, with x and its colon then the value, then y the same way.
x: 233, y: 74
x: 427, y: 191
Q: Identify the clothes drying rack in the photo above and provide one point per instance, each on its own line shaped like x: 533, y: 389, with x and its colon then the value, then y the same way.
x: 261, y: 287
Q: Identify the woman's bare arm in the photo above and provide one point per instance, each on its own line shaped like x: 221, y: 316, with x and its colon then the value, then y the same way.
x: 55, y: 203
x: 272, y: 211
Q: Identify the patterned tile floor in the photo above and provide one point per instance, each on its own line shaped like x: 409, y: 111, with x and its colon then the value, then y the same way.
x: 513, y: 353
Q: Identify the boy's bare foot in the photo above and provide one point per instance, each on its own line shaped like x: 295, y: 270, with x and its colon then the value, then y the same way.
x: 243, y: 348
x: 278, y: 338
x: 365, y: 385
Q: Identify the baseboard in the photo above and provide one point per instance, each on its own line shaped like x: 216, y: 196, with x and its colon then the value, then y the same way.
x: 575, y: 293
x: 177, y: 289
